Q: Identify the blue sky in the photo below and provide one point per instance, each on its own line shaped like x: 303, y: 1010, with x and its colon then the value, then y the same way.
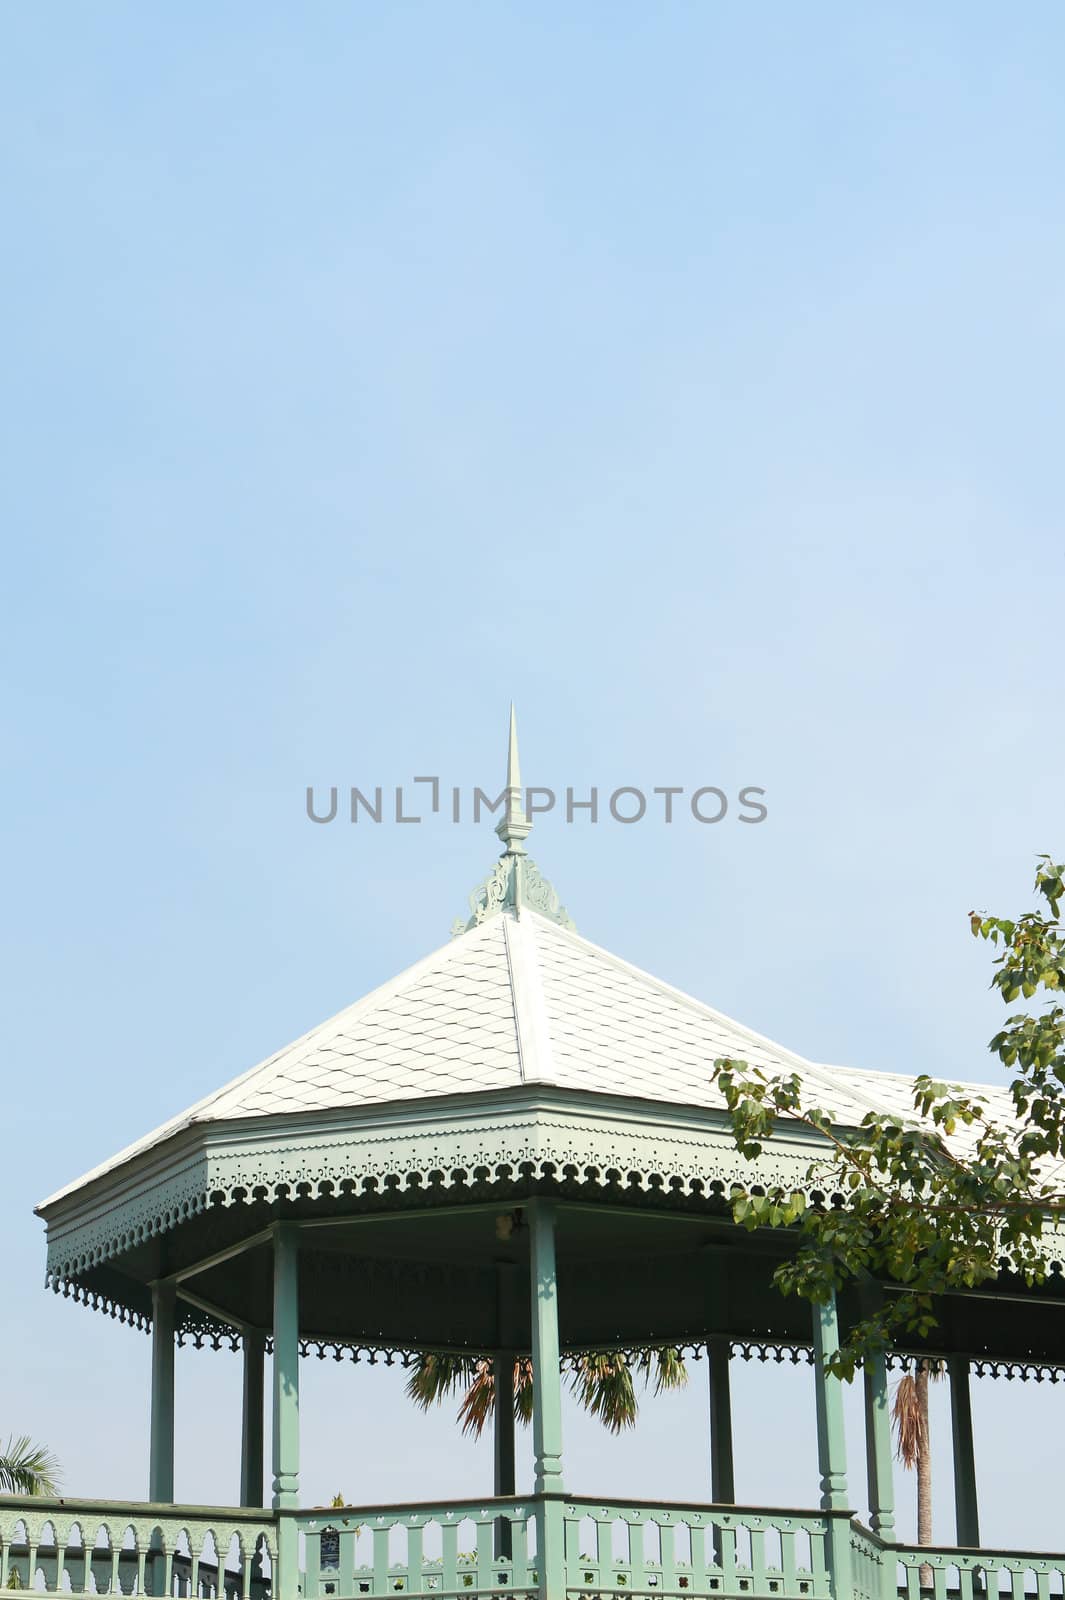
x: 690, y: 374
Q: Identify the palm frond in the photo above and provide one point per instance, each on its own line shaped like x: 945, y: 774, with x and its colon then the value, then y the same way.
x: 911, y: 1426
x: 670, y: 1371
x: 523, y: 1389
x: 909, y: 1413
x: 478, y: 1403
x: 435, y: 1376
x: 28, y: 1468
x: 603, y: 1384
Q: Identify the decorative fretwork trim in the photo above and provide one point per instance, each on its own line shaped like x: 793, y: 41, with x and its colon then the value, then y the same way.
x: 606, y: 1155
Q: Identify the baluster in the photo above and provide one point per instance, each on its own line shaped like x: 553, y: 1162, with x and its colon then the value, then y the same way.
x: 519, y: 1545
x: 819, y: 1560
x: 87, y: 1549
x: 571, y: 1548
x: 313, y: 1548
x: 758, y: 1559
x: 31, y: 1581
x: 415, y: 1560
x: 142, y: 1557
x: 965, y: 1583
x: 5, y: 1558
x: 449, y: 1567
x: 667, y: 1542
x: 939, y: 1583
x: 168, y: 1567
x: 727, y: 1558
x: 699, y: 1572
x: 1017, y: 1583
x: 787, y: 1560
x: 116, y: 1557
x: 913, y: 1582
x: 346, y: 1559
x: 1042, y: 1585
x: 248, y: 1559
x: 194, y: 1567
x: 485, y: 1548
x: 604, y: 1550
x: 380, y: 1560
x: 637, y: 1560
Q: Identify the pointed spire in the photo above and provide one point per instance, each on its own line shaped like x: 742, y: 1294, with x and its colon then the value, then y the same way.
x: 514, y: 826
x: 515, y: 882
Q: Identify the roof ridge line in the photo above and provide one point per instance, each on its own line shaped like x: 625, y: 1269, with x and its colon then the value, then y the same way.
x: 822, y: 1072
x: 682, y: 995
x: 531, y: 1022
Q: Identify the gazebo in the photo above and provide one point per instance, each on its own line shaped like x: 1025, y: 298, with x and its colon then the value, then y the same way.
x: 513, y: 1148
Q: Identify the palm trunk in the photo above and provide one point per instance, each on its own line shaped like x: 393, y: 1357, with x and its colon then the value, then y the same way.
x: 924, y: 1472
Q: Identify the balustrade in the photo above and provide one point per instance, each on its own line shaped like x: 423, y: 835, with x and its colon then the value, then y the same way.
x: 694, y: 1551
x: 107, y: 1547
x: 454, y: 1548
x: 468, y: 1550
x: 951, y: 1574
x: 473, y: 1548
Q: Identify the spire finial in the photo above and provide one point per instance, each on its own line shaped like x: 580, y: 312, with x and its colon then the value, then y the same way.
x: 514, y: 826
x: 515, y: 883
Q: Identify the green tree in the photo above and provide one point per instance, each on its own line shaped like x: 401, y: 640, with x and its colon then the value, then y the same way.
x: 936, y: 1200
x: 27, y: 1468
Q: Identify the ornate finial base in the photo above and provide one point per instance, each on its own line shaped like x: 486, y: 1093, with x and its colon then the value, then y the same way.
x: 515, y: 882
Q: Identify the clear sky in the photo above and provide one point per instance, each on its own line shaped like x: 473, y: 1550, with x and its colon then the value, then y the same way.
x: 691, y: 373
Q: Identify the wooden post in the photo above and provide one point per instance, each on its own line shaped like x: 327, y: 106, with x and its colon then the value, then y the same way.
x: 286, y: 1439
x: 879, y: 1474
x: 161, y: 1454
x: 722, y: 1468
x: 547, y: 1402
x: 506, y: 1339
x: 880, y: 1480
x: 832, y: 1448
x: 251, y: 1432
x: 503, y: 1368
x: 966, y: 1507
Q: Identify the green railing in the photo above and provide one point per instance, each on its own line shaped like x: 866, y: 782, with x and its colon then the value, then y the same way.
x: 79, y: 1546
x: 944, y: 1573
x: 470, y: 1550
x: 452, y: 1548
x: 473, y: 1548
x: 872, y: 1564
x: 639, y: 1548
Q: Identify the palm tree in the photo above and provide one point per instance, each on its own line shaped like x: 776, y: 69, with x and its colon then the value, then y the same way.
x: 603, y: 1382
x: 27, y: 1468
x: 913, y: 1442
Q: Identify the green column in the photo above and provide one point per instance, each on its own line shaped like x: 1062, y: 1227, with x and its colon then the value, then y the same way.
x: 251, y: 1431
x: 547, y: 1401
x: 161, y: 1458
x: 832, y: 1448
x: 722, y: 1470
x: 503, y: 1418
x: 878, y: 1451
x: 286, y: 1440
x: 503, y: 1442
x: 506, y: 1340
x: 966, y: 1509
x: 503, y: 1366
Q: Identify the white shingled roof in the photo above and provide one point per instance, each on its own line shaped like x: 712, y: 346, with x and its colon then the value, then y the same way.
x: 517, y: 1000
